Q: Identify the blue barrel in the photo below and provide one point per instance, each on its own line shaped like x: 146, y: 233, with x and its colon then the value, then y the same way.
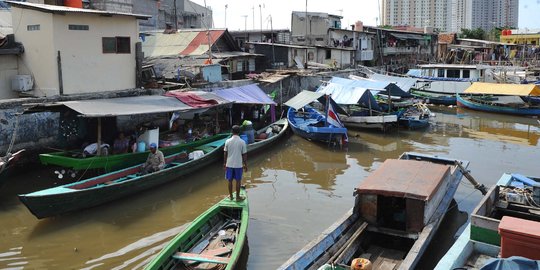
x: 244, y: 137
x: 141, y: 147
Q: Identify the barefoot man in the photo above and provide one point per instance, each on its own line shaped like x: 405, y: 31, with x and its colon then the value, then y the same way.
x: 234, y: 159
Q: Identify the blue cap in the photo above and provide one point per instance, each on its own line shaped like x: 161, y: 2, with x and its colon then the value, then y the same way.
x: 153, y: 145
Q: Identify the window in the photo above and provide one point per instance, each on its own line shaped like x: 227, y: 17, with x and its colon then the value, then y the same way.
x: 466, y: 73
x: 328, y: 54
x: 32, y: 27
x: 440, y: 73
x: 116, y: 45
x: 452, y: 73
x: 78, y: 27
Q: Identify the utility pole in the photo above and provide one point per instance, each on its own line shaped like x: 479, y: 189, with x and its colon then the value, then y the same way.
x: 175, y: 17
x: 226, y: 6
x: 306, y: 38
x: 253, y: 19
x: 245, y: 31
x: 260, y: 13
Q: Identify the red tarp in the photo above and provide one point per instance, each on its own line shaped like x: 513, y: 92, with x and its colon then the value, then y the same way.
x: 192, y: 99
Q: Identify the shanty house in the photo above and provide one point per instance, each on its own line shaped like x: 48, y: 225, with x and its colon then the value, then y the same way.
x: 185, y: 53
x: 75, y: 51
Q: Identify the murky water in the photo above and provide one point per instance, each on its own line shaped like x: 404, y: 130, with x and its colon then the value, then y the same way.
x: 296, y: 190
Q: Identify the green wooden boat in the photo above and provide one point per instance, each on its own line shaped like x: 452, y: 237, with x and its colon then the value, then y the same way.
x: 214, y: 240
x: 72, y: 159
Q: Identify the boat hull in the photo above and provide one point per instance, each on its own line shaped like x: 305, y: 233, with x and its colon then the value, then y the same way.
x: 184, y: 241
x: 258, y: 146
x: 469, y: 104
x: 435, y: 98
x: 63, y: 199
x: 381, y: 122
x: 304, y: 129
x: 112, y: 162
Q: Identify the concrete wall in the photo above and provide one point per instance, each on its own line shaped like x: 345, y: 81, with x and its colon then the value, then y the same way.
x: 85, y: 68
x: 39, y: 57
x: 113, y: 5
x: 8, y: 69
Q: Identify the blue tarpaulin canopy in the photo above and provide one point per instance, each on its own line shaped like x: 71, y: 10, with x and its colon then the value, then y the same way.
x: 247, y: 94
x: 350, y: 92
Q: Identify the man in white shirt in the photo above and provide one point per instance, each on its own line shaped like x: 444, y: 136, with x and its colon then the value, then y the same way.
x: 234, y: 160
x: 91, y: 150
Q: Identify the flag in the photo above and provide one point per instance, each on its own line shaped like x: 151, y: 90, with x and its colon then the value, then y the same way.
x: 333, y: 117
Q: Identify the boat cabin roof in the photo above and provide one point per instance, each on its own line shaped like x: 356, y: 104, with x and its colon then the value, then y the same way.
x: 405, y: 179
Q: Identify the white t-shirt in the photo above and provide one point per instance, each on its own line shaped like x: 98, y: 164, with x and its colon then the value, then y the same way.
x: 235, y: 147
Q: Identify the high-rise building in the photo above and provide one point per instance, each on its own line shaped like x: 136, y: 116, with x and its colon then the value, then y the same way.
x: 451, y: 15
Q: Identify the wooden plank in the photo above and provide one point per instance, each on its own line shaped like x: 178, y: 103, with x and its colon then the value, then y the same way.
x: 217, y: 251
x: 200, y: 258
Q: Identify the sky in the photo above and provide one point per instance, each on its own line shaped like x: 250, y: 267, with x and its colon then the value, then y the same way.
x: 351, y: 10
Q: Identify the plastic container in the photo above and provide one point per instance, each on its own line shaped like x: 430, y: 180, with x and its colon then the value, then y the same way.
x: 244, y: 137
x: 141, y: 146
x: 73, y: 3
x: 519, y: 237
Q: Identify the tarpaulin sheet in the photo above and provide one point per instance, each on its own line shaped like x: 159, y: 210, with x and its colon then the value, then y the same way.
x: 248, y: 94
x: 192, y: 99
x: 503, y: 89
x: 302, y: 99
x: 404, y: 83
x: 385, y: 86
x: 346, y: 92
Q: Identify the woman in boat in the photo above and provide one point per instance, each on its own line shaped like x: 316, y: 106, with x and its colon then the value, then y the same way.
x: 121, y: 144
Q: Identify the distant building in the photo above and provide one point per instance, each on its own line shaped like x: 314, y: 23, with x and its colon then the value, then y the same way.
x: 74, y: 51
x: 417, y: 13
x: 189, y: 14
x: 282, y: 36
x: 488, y: 14
x: 521, y: 36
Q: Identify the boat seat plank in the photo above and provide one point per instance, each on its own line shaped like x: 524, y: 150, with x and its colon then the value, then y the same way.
x: 200, y: 258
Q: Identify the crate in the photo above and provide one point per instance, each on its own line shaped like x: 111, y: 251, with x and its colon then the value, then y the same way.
x: 519, y: 237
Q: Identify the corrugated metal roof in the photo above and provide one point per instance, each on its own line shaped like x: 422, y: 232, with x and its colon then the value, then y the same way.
x: 303, y: 98
x: 59, y: 9
x: 405, y: 179
x: 183, y: 43
x: 503, y: 89
x: 126, y: 106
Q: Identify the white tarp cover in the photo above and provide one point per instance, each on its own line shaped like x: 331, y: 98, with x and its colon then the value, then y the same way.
x: 404, y: 83
x: 302, y: 99
x: 126, y: 106
x: 349, y: 92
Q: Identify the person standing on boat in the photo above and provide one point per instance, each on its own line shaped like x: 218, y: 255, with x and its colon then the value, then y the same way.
x: 234, y: 160
x: 155, y: 160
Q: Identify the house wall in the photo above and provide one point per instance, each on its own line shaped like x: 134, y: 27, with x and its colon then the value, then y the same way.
x: 39, y: 57
x: 8, y: 69
x: 85, y: 68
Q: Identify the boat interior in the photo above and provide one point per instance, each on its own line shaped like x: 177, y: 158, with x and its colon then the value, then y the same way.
x: 134, y: 172
x: 210, y: 245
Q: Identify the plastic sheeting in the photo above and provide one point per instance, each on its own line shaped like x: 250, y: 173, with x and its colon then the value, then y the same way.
x: 512, y: 263
x: 349, y: 92
x: 503, y: 89
x: 247, y: 94
x: 302, y: 99
x: 404, y: 83
x: 384, y: 86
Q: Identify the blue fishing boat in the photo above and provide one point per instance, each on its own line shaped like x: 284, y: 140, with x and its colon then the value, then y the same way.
x: 397, y: 211
x: 312, y: 124
x: 414, y: 117
x: 435, y: 97
x: 480, y: 241
x: 516, y: 107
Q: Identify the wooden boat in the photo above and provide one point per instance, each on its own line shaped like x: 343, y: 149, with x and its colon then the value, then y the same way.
x: 73, y: 159
x: 311, y: 124
x: 480, y: 241
x: 282, y: 125
x: 517, y: 106
x: 214, y: 240
x: 435, y: 97
x: 7, y: 162
x: 398, y: 209
x: 415, y: 117
x: 363, y: 119
x: 104, y: 188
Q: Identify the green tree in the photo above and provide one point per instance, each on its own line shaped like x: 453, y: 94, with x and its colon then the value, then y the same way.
x: 477, y: 33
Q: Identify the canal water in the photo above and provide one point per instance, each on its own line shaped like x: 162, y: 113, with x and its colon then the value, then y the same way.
x: 296, y: 190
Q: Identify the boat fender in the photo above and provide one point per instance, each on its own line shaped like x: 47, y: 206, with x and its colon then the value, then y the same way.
x: 361, y: 264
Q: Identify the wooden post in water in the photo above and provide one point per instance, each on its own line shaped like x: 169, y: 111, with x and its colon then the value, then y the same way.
x: 99, y: 137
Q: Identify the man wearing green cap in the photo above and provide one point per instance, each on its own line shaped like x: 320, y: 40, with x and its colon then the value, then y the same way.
x: 155, y: 160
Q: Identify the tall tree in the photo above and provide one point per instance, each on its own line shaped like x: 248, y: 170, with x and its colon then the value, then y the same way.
x: 477, y: 33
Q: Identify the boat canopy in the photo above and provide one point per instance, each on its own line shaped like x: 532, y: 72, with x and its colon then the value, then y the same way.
x: 303, y: 98
x: 383, y: 87
x: 346, y: 92
x: 247, y: 94
x: 411, y: 179
x: 118, y: 106
x: 404, y: 83
x: 197, y: 99
x: 503, y: 89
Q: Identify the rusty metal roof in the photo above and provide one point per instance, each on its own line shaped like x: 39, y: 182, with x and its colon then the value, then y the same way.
x: 405, y: 178
x: 63, y: 9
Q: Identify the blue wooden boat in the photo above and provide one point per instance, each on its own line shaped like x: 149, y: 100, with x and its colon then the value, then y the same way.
x: 517, y: 107
x: 414, y: 117
x: 312, y: 124
x: 111, y: 186
x: 398, y: 209
x: 436, y: 98
x: 480, y: 241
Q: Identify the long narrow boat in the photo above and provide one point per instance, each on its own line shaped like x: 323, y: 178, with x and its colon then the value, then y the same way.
x: 480, y: 241
x: 310, y: 124
x: 363, y: 119
x: 6, y: 163
x: 73, y: 159
x: 489, y: 106
x: 398, y: 209
x: 214, y: 240
x: 435, y: 97
x: 104, y: 188
x: 278, y: 129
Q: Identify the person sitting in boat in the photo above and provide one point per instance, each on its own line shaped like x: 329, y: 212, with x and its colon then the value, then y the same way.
x: 91, y: 150
x: 155, y: 160
x: 247, y: 126
x: 121, y: 144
